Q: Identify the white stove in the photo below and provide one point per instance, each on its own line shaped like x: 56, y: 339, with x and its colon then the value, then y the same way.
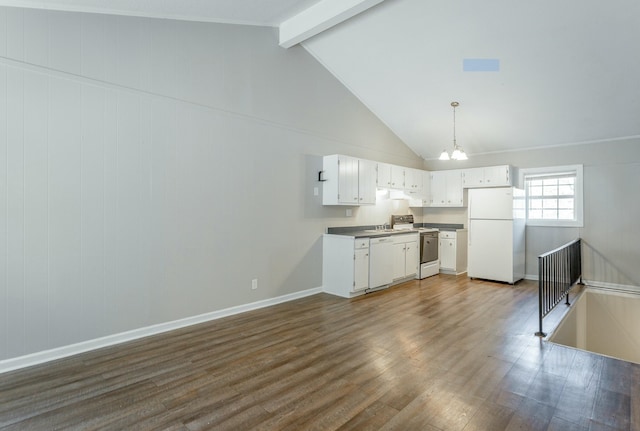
x: 402, y: 222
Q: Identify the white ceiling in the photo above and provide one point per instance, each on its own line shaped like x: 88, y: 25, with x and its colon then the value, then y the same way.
x: 252, y: 12
x: 569, y: 71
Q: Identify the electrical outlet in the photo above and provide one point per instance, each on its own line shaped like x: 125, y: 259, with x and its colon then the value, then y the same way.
x: 316, y: 191
x: 254, y: 284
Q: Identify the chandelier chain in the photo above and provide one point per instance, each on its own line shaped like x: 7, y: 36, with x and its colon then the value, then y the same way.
x: 454, y: 124
x: 457, y: 153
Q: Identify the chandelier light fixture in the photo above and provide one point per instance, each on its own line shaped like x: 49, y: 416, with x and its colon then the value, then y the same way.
x: 457, y: 153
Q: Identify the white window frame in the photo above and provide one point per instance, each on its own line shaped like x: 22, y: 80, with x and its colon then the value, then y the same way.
x: 578, y: 203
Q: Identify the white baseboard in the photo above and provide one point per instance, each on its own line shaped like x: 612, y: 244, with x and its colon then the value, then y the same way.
x: 110, y: 340
x: 624, y: 288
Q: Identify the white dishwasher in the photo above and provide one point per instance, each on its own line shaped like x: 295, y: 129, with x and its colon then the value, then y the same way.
x: 380, y: 261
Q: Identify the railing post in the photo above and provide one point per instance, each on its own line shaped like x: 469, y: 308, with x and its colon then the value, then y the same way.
x: 540, y: 295
x: 569, y: 255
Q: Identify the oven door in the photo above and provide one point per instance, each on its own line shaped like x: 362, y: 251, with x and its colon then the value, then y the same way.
x: 428, y: 247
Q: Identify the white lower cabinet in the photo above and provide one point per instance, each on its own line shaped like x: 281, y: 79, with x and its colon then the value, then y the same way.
x: 361, y: 267
x: 452, y: 248
x: 406, y: 251
x: 345, y: 265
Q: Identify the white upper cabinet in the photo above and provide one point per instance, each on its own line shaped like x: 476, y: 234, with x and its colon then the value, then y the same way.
x: 423, y: 197
x: 366, y: 182
x: 491, y: 176
x: 446, y: 189
x: 413, y: 182
x: 397, y: 177
x: 473, y: 177
x: 400, y: 178
x: 384, y: 175
x: 348, y: 181
x: 499, y: 176
x: 352, y: 181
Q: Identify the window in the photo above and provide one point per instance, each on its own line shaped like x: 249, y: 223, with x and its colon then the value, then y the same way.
x: 553, y: 196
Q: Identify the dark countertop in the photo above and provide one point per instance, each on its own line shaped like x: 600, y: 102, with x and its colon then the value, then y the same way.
x: 369, y: 231
x: 441, y: 226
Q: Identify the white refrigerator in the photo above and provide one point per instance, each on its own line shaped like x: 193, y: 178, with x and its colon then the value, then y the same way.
x: 496, y: 234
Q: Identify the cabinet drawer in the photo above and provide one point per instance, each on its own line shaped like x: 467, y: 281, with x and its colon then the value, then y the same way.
x: 361, y: 243
x: 444, y: 234
x: 400, y: 239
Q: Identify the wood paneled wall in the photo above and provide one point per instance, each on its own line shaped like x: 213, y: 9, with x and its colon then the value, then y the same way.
x: 149, y: 169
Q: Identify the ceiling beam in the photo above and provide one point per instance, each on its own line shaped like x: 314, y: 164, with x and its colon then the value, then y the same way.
x: 319, y: 17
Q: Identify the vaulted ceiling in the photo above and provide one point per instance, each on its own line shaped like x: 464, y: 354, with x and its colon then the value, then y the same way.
x: 569, y: 71
x: 560, y: 73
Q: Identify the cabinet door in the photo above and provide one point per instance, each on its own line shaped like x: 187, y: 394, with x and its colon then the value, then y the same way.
x: 438, y: 189
x: 496, y: 176
x: 348, y: 180
x: 473, y: 177
x: 411, y: 258
x: 397, y: 177
x: 413, y: 180
x: 408, y: 180
x: 361, y: 269
x: 448, y: 253
x: 426, y: 186
x: 398, y: 261
x: 419, y: 202
x: 366, y: 182
x: 454, y: 192
x: 384, y: 176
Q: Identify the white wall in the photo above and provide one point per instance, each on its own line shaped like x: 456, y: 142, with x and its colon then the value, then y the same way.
x: 603, y: 322
x: 611, y: 207
x: 149, y: 169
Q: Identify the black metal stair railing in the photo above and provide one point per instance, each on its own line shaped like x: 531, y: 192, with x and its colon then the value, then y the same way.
x: 558, y: 271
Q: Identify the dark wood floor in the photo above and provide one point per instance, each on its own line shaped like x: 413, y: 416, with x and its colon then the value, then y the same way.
x: 445, y: 353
